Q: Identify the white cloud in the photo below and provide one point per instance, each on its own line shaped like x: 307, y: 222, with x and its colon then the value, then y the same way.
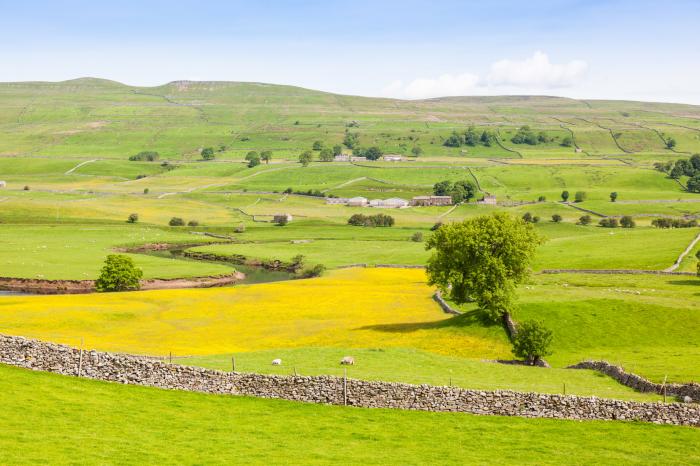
x: 445, y: 85
x: 536, y: 71
x: 534, y: 75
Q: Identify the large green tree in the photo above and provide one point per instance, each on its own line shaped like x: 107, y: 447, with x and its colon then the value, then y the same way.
x: 482, y: 259
x: 118, y: 274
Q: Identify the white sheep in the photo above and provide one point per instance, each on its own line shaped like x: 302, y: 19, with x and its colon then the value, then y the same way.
x: 277, y: 362
x: 347, y: 361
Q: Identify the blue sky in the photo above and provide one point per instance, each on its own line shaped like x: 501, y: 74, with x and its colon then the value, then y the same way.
x: 642, y: 50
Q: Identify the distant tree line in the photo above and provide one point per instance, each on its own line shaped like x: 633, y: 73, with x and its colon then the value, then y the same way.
x: 471, y: 137
x: 378, y: 220
x: 526, y: 135
x: 683, y: 167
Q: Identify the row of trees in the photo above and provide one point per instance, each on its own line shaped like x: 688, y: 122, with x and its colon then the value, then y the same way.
x: 526, y: 135
x: 471, y: 137
x: 683, y: 167
x: 674, y: 223
x: 460, y: 191
x: 378, y: 220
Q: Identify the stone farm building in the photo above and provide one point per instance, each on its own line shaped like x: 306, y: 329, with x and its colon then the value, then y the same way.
x: 425, y: 201
x: 337, y: 200
x: 392, y: 203
x: 282, y: 218
x: 357, y: 201
x: 3, y: 184
x: 488, y: 200
x: 341, y: 158
x: 392, y: 158
x: 358, y: 159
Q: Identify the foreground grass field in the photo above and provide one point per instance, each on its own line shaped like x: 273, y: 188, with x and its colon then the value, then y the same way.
x: 53, y: 419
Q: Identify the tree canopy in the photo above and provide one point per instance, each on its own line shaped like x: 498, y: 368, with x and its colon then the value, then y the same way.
x: 306, y: 157
x: 482, y: 259
x: 118, y: 274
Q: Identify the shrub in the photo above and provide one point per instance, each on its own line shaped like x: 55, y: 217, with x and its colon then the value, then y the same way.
x: 318, y: 145
x: 580, y: 196
x: 556, y: 218
x: 608, y: 222
x: 565, y: 196
x: 535, y: 219
x: 326, y: 155
x: 26, y: 187
x: 585, y: 220
x: 176, y: 222
x: 627, y: 222
x: 133, y: 218
x: 527, y: 217
x: 208, y: 153
x: 193, y: 223
x: 315, y: 271
x: 532, y: 342
x: 146, y: 190
x: 118, y: 274
x: 417, y: 237
x: 147, y: 156
x: 541, y: 199
x: 436, y: 226
x: 613, y: 196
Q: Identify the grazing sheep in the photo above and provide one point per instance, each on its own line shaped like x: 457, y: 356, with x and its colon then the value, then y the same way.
x: 277, y: 362
x: 347, y: 361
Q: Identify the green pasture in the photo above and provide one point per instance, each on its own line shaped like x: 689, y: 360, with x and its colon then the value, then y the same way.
x: 90, y: 118
x: 78, y: 251
x: 108, y: 423
x: 647, y: 323
x: 421, y: 367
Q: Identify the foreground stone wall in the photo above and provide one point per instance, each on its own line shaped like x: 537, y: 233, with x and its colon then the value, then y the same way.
x: 37, y: 355
x: 639, y: 383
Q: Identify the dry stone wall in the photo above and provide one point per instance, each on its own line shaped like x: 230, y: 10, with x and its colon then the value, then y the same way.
x: 639, y: 383
x: 37, y: 355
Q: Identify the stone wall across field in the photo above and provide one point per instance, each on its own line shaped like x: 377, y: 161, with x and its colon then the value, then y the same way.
x: 37, y: 355
x: 639, y: 383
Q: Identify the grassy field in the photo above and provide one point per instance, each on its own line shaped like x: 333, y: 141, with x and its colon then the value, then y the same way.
x: 64, y: 150
x: 421, y: 367
x: 96, y: 118
x: 107, y: 423
x: 78, y: 251
x: 382, y: 309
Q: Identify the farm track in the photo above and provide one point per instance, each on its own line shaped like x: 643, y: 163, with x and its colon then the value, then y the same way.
x: 79, y: 165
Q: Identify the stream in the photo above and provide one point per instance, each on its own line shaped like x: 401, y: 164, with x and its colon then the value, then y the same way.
x: 253, y: 274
